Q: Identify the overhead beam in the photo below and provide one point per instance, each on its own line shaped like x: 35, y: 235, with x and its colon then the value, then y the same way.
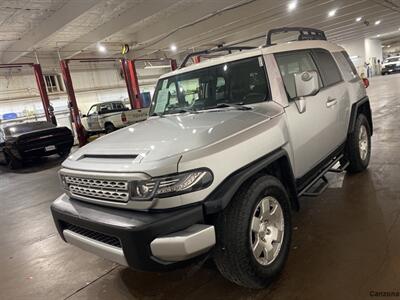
x: 133, y: 15
x: 63, y: 16
x: 193, y: 11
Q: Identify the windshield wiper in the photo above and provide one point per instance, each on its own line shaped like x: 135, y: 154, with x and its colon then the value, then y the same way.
x: 238, y: 106
x: 157, y: 115
x: 181, y: 111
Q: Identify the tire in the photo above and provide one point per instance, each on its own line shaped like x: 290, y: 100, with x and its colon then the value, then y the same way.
x: 13, y: 163
x: 234, y: 255
x: 359, y: 152
x: 64, y: 153
x: 109, y: 128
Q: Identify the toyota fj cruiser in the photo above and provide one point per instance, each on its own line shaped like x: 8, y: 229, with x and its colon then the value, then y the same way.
x: 231, y: 145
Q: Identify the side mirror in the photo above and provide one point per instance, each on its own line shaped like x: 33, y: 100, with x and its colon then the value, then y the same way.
x: 306, y: 84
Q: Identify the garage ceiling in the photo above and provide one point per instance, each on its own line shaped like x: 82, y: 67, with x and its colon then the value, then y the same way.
x: 75, y: 27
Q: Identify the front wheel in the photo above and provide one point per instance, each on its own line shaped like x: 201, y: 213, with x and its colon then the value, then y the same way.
x: 13, y: 163
x: 64, y: 152
x: 359, y: 145
x: 254, y: 234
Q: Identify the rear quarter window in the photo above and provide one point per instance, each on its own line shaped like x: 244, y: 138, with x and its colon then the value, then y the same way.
x: 328, y: 68
x: 348, y: 71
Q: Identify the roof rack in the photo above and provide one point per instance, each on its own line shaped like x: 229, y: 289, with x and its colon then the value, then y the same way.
x: 214, y: 50
x: 305, y: 34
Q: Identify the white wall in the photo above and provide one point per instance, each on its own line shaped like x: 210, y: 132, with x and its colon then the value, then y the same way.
x: 373, y: 49
x: 19, y: 94
x: 365, y: 50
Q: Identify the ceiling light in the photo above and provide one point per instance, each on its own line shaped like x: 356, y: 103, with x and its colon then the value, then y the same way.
x: 389, y: 46
x: 173, y: 48
x: 332, y: 13
x: 378, y: 35
x: 292, y: 5
x: 358, y: 19
x: 378, y: 22
x: 101, y: 48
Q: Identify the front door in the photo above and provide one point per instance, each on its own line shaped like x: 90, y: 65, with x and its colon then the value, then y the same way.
x: 93, y: 118
x: 313, y: 133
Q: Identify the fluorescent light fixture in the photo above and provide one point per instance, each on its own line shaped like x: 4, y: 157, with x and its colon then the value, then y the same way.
x: 173, y: 47
x: 332, y: 13
x: 358, y: 19
x: 101, y: 48
x: 157, y: 67
x: 292, y: 5
x: 378, y: 22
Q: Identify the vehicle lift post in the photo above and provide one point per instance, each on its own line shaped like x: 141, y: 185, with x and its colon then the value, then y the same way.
x: 37, y: 69
x: 131, y: 80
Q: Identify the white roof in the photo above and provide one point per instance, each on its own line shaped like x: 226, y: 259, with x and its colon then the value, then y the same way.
x: 290, y: 46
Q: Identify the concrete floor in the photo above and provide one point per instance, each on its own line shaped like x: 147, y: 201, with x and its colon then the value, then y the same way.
x: 346, y: 242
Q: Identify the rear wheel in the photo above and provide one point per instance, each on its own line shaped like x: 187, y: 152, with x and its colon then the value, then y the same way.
x: 254, y: 233
x: 109, y: 128
x: 359, y: 145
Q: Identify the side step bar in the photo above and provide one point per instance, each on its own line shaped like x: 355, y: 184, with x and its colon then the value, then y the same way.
x: 313, y: 191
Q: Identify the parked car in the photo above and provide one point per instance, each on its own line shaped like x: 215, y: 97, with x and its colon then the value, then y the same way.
x: 230, y: 146
x: 391, y: 65
x: 28, y: 141
x: 109, y: 116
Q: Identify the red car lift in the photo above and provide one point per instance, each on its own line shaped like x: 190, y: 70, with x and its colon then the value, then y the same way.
x: 41, y: 87
x: 131, y: 80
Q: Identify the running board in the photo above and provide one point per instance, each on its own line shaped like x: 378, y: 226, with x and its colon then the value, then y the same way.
x: 341, y: 169
x: 309, y: 191
x: 319, y: 189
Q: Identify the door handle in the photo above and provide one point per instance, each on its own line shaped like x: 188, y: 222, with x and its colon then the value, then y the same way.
x: 331, y: 102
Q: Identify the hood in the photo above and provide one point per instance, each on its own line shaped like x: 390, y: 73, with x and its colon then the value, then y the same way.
x: 160, y: 138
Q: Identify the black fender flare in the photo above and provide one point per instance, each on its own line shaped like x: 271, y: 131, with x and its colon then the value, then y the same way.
x: 225, y: 191
x: 360, y: 106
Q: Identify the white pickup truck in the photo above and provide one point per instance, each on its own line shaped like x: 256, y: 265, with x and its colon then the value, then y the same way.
x: 109, y: 116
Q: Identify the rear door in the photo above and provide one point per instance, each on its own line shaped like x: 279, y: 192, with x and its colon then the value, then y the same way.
x: 312, y: 133
x: 337, y: 95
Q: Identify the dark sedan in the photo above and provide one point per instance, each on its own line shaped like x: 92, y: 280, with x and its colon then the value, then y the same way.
x: 28, y: 141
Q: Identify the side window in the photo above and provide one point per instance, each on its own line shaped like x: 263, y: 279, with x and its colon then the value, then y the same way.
x: 104, y: 108
x: 344, y: 66
x: 92, y: 110
x: 329, y: 70
x: 294, y: 62
x: 117, y: 106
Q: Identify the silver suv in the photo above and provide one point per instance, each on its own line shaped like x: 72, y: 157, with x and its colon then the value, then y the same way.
x: 231, y: 145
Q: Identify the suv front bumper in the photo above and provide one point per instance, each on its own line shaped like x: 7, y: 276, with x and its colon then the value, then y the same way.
x: 141, y: 240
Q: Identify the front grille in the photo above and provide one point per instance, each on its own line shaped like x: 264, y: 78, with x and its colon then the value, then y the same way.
x: 103, y: 189
x: 100, y: 237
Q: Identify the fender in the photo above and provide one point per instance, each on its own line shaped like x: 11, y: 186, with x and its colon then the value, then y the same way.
x: 357, y: 107
x: 223, y: 194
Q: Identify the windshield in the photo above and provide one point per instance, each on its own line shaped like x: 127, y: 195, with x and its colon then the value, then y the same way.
x: 18, y: 129
x: 391, y: 60
x: 238, y: 82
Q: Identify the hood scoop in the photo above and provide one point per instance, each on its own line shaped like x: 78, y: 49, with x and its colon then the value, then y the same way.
x: 110, y: 156
x: 111, y: 159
